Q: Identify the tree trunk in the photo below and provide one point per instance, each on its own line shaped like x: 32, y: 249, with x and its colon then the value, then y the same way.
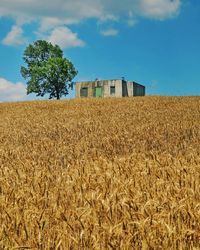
x: 57, y: 94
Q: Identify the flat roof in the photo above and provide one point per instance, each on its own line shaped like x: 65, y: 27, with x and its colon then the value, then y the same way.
x: 104, y: 80
x: 98, y: 80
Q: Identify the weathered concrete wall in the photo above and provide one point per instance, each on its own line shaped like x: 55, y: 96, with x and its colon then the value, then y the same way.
x: 138, y: 90
x: 135, y: 89
x: 122, y: 88
x: 89, y: 85
x: 110, y: 83
x: 118, y: 88
x: 130, y: 88
x: 105, y: 84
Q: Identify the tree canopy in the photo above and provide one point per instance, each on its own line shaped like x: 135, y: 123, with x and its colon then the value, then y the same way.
x: 47, y: 71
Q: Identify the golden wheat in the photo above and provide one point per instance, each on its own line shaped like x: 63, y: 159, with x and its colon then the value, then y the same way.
x: 100, y: 174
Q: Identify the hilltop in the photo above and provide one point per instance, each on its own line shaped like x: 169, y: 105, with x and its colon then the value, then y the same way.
x: 112, y: 173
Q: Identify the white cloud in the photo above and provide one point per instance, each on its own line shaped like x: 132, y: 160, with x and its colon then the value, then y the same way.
x: 14, y: 37
x: 12, y: 91
x: 65, y: 38
x: 49, y: 23
x: 110, y: 32
x: 159, y: 9
x: 52, y: 15
x: 37, y: 9
x: 66, y: 10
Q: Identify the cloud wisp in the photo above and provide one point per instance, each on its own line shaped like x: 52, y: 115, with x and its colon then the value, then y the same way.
x: 15, y: 37
x: 110, y: 32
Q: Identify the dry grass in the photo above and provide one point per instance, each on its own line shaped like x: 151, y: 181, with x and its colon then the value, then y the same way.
x: 100, y: 174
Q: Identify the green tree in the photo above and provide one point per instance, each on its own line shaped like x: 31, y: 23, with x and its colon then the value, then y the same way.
x: 47, y: 72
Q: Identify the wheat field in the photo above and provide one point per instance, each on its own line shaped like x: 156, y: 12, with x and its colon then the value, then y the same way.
x: 116, y: 173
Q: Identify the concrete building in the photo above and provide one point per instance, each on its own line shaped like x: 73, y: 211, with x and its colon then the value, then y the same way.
x: 109, y: 88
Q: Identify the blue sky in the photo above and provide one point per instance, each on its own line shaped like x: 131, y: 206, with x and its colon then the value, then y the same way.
x: 153, y: 42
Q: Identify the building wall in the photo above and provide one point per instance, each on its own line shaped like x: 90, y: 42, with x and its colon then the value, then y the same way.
x: 109, y: 83
x: 130, y: 88
x: 122, y: 88
x: 105, y: 84
x: 138, y: 90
